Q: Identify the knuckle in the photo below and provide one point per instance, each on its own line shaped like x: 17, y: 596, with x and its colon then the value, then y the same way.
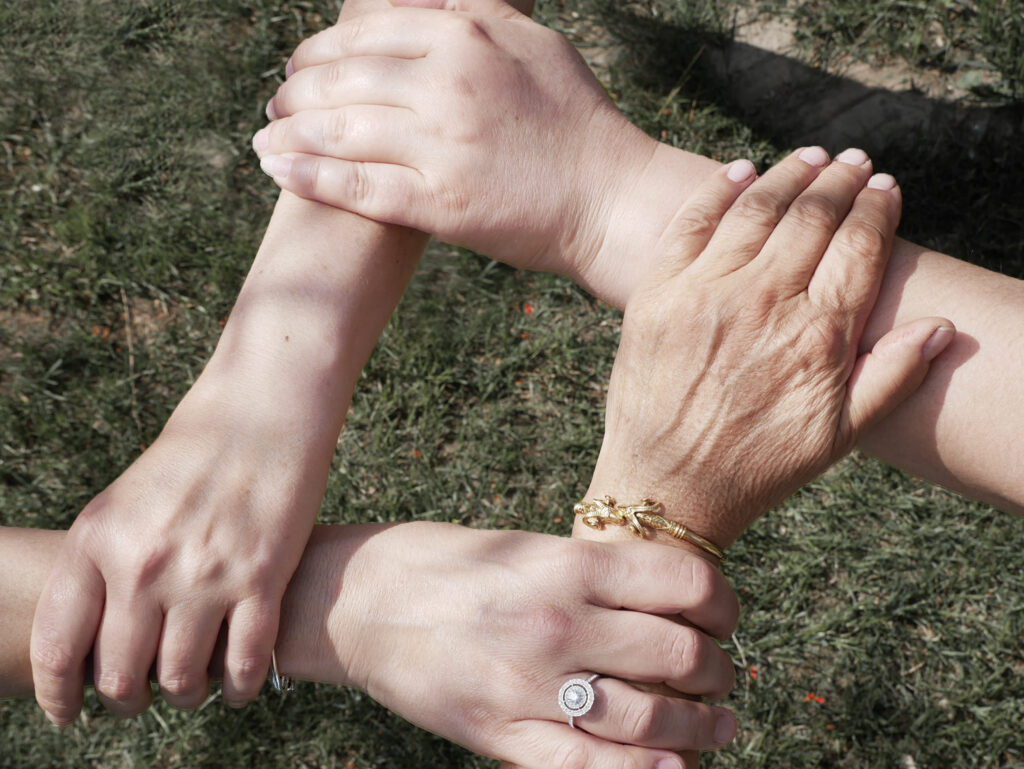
x: 862, y: 237
x: 574, y: 755
x: 686, y: 652
x: 249, y: 667
x: 52, y: 657
x: 115, y: 685
x: 695, y: 221
x: 334, y: 129
x: 551, y: 628
x: 760, y: 208
x: 328, y: 81
x: 703, y: 582
x: 815, y: 211
x: 644, y: 721
x: 827, y: 337
x: 360, y: 185
x: 471, y: 28
x: 180, y: 683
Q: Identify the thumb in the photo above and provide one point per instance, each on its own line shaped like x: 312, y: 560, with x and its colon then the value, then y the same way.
x: 890, y: 373
x: 485, y: 7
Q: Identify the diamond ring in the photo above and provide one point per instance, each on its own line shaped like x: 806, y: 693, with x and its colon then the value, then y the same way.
x: 576, y: 697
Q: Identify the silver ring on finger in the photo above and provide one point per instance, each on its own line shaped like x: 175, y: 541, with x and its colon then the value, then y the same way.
x: 576, y: 697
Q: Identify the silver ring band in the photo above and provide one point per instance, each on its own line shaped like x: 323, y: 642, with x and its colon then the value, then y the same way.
x: 576, y: 697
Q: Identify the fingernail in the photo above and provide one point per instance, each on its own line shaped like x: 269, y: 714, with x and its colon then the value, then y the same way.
x: 271, y: 114
x: 668, y: 763
x: 740, y: 170
x: 814, y: 156
x: 881, y: 182
x: 261, y: 141
x: 852, y: 157
x: 937, y: 342
x: 289, y: 68
x: 276, y: 166
x: 725, y: 728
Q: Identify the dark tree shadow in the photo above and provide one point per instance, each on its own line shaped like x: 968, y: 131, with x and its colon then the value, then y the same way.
x: 960, y: 166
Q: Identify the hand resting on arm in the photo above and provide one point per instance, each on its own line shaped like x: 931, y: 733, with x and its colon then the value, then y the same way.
x: 614, y: 199
x: 470, y: 634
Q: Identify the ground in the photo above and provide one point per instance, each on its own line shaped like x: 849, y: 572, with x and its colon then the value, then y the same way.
x: 882, y: 617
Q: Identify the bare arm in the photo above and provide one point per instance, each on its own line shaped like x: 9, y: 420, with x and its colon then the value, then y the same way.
x: 962, y: 428
x: 402, y: 611
x: 592, y: 200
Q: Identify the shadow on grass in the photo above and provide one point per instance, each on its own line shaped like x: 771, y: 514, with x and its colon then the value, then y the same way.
x: 959, y: 164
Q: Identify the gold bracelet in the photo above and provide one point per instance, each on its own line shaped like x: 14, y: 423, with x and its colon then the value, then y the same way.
x: 597, y: 513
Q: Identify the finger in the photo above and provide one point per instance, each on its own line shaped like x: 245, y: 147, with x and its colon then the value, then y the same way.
x: 402, y: 33
x: 891, y: 373
x: 794, y: 250
x: 63, y: 629
x: 360, y: 133
x: 644, y: 648
x: 746, y: 226
x: 692, y: 227
x: 544, y: 744
x: 124, y: 652
x: 485, y: 7
x: 377, y: 80
x: 624, y: 714
x: 183, y: 657
x: 850, y: 273
x: 252, y: 631
x: 685, y: 585
x: 388, y: 193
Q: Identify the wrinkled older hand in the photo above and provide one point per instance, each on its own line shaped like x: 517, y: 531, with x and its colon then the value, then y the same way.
x: 737, y: 378
x: 487, y: 131
x: 470, y: 634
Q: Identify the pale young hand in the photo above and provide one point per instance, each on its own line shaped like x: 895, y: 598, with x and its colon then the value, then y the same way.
x: 205, y: 528
x: 470, y: 634
x: 487, y: 131
x: 737, y: 378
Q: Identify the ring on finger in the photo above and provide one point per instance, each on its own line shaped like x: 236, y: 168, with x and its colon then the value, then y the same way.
x: 576, y: 697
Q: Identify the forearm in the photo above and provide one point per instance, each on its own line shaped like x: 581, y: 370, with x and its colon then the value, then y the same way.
x: 961, y: 428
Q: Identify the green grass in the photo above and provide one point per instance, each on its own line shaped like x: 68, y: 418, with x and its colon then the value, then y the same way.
x: 127, y: 182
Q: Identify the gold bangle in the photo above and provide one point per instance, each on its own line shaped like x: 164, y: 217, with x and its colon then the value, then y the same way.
x: 597, y: 513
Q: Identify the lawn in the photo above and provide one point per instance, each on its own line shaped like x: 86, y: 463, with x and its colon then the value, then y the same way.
x: 131, y: 207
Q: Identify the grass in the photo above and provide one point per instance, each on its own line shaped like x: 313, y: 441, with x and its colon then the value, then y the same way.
x: 129, y: 190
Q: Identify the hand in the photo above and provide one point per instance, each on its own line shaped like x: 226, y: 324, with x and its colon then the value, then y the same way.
x: 470, y: 634
x: 487, y: 131
x: 205, y: 528
x: 737, y: 379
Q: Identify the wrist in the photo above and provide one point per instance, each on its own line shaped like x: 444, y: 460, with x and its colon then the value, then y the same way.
x: 640, y: 207
x: 629, y: 486
x: 310, y: 641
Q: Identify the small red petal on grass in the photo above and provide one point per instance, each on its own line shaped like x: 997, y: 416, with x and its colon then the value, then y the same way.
x: 820, y: 700
x: 416, y: 454
x: 753, y: 672
x: 557, y: 519
x: 809, y: 697
x: 519, y: 381
x: 830, y: 727
x: 528, y: 308
x: 497, y: 498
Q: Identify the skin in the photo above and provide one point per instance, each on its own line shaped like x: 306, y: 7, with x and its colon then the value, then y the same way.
x: 88, y: 576
x: 362, y: 608
x: 361, y: 611
x: 150, y: 570
x: 613, y: 204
